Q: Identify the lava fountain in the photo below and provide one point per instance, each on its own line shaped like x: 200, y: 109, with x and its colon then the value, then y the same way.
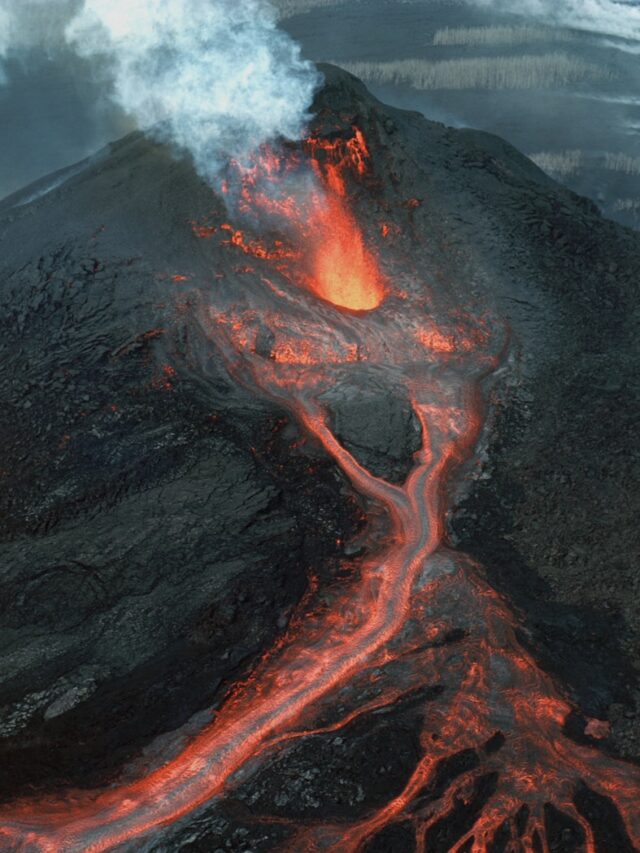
x: 321, y: 312
x: 345, y: 272
x: 326, y: 251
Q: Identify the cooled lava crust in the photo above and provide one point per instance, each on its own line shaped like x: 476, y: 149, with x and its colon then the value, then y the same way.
x: 167, y: 519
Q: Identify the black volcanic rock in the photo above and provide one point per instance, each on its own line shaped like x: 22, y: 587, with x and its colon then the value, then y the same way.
x: 330, y: 775
x: 551, y: 515
x: 157, y: 520
x: 376, y: 423
x: 155, y: 528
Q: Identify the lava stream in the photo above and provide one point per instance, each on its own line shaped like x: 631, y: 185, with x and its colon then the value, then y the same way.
x: 342, y: 643
x: 365, y: 623
x: 497, y: 707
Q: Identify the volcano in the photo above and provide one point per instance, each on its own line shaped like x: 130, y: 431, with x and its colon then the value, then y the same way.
x: 317, y: 514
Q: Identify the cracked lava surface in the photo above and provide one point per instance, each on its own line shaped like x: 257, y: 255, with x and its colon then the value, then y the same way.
x: 494, y: 753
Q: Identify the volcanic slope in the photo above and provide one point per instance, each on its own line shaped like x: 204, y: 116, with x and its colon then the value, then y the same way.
x: 158, y: 521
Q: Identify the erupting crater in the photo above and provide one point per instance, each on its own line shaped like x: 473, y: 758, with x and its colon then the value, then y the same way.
x: 493, y: 751
x: 344, y: 273
x: 304, y: 195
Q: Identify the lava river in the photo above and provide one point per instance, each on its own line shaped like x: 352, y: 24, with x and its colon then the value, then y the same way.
x: 494, y: 753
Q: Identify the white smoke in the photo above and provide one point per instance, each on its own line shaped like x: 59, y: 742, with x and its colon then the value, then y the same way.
x: 33, y: 23
x: 216, y: 76
x: 213, y: 77
x: 609, y: 17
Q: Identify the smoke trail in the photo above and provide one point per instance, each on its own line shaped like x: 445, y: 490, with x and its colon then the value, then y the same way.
x: 214, y: 77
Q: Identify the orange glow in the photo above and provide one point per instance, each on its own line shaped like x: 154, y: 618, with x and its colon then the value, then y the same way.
x: 305, y: 352
x: 165, y: 381
x: 358, y: 631
x: 598, y: 729
x: 325, y: 250
x: 413, y: 614
x: 434, y: 340
x: 388, y: 229
x: 256, y: 248
x: 344, y: 271
x: 335, y: 158
x: 205, y: 232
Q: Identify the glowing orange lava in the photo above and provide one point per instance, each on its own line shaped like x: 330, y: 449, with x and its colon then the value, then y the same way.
x: 415, y: 614
x: 344, y: 272
x: 325, y: 250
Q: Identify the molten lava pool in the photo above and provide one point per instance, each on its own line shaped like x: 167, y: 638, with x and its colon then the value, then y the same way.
x: 322, y: 247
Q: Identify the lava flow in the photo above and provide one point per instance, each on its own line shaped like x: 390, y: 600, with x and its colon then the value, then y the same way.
x: 326, y: 251
x: 494, y: 754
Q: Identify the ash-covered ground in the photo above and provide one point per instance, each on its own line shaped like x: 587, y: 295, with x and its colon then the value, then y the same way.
x: 158, y: 524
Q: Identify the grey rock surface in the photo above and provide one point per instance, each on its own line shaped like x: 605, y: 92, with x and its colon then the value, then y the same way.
x: 376, y: 423
x: 155, y: 527
x: 156, y: 520
x: 560, y: 450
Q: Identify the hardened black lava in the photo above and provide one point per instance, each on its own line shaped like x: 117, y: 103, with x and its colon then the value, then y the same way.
x: 174, y: 501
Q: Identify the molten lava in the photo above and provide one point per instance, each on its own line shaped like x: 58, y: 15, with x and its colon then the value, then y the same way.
x: 416, y: 614
x: 325, y: 250
x: 344, y: 272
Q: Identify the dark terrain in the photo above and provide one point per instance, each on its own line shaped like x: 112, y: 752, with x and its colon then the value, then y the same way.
x: 583, y: 115
x: 158, y: 523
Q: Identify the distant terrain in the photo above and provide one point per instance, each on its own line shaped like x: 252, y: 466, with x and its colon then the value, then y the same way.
x: 566, y: 98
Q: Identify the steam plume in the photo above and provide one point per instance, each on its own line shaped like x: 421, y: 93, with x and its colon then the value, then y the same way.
x: 218, y: 75
x: 31, y: 23
x: 213, y: 77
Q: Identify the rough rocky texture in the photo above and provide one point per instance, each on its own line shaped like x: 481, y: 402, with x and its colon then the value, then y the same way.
x: 555, y: 525
x: 551, y: 514
x: 375, y: 422
x: 337, y: 775
x: 156, y: 525
x: 330, y: 776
